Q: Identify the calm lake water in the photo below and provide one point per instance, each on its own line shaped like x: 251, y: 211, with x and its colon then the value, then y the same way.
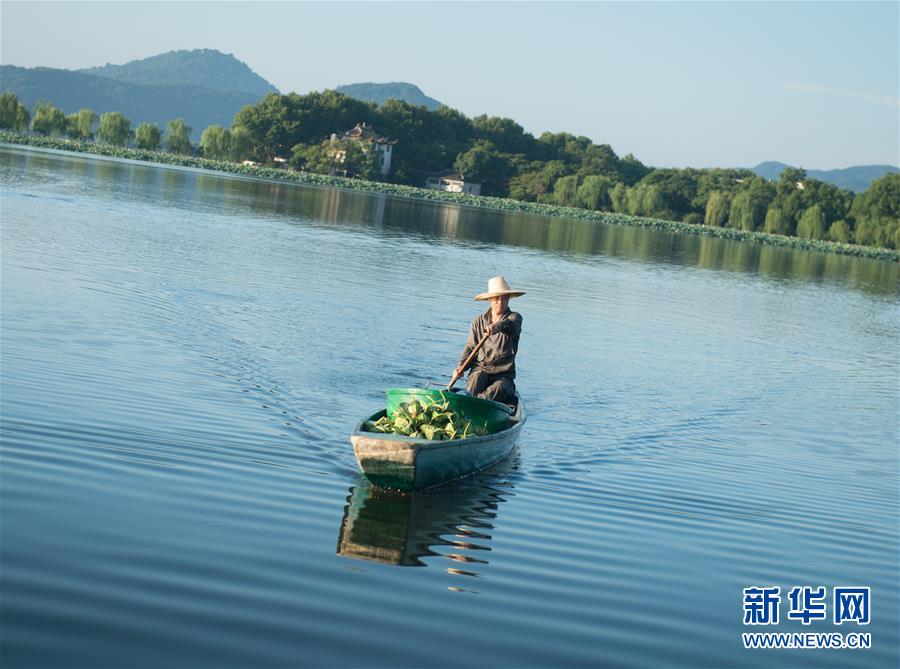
x: 184, y: 355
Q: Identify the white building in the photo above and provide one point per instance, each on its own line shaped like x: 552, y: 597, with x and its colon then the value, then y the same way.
x: 454, y: 183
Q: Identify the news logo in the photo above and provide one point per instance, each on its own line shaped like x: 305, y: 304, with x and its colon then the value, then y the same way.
x: 807, y: 604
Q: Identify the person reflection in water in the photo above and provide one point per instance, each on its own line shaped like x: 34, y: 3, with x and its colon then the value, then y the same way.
x: 493, y: 370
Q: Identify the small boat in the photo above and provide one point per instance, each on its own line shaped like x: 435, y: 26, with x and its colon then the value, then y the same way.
x: 408, y: 463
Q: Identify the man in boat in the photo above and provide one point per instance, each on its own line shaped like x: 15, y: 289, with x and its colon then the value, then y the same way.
x: 493, y: 370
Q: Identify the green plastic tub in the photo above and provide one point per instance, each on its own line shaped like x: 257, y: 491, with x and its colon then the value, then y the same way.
x: 493, y: 416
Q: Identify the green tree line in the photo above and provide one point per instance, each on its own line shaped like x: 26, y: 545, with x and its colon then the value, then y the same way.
x: 554, y: 168
x: 112, y: 128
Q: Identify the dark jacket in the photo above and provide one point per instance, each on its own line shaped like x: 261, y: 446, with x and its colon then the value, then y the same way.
x: 498, y: 355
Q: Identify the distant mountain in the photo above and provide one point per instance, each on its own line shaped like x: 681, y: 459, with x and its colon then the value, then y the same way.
x: 381, y: 93
x: 200, y: 67
x: 770, y: 170
x: 855, y: 178
x: 203, y: 86
x: 158, y: 103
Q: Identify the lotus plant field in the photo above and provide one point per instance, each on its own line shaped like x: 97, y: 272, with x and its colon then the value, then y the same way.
x: 480, y: 201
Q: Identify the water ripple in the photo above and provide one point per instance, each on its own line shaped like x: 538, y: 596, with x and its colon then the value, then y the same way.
x: 184, y: 356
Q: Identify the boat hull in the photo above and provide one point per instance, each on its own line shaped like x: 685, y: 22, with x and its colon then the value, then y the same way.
x: 405, y: 463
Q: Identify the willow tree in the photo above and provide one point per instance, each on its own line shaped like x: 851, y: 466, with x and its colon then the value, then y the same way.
x: 748, y: 210
x: 241, y: 143
x: 646, y: 200
x: 80, y: 125
x: 593, y: 193
x: 812, y: 223
x: 114, y: 128
x: 618, y: 197
x: 877, y: 212
x: 565, y: 191
x: 72, y: 126
x: 48, y: 120
x: 215, y: 143
x: 634, y: 198
x: 13, y: 114
x: 840, y: 232
x: 717, y: 209
x: 148, y: 136
x: 178, y: 139
x: 776, y: 222
x: 878, y: 232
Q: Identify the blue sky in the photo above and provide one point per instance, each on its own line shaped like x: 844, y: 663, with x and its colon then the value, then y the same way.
x: 702, y: 84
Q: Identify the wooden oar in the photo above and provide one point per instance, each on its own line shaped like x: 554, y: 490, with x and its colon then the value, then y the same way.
x: 471, y: 357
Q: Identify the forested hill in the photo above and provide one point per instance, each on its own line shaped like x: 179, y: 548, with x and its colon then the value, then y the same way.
x: 199, y: 67
x: 158, y: 103
x: 856, y: 178
x: 381, y: 93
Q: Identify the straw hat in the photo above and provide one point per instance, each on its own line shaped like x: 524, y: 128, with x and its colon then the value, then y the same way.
x: 497, y: 286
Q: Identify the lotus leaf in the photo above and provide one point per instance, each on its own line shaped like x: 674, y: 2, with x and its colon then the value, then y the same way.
x: 435, y: 421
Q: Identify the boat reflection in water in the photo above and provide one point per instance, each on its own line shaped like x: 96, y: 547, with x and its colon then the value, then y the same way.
x: 455, y: 521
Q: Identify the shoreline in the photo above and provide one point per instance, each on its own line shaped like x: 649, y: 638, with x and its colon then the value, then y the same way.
x: 483, y: 202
